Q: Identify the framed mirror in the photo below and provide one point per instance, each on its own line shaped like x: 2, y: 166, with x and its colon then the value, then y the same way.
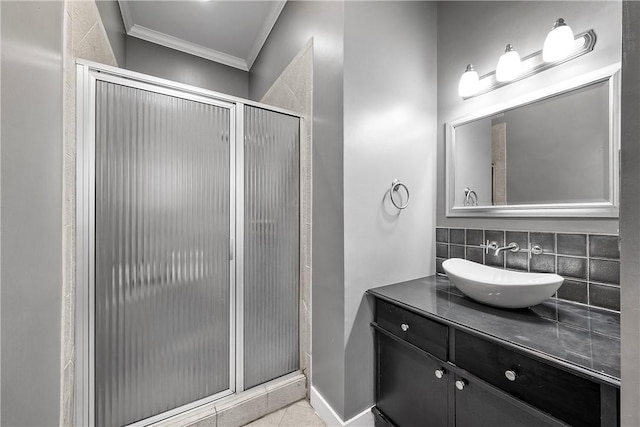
x: 554, y: 152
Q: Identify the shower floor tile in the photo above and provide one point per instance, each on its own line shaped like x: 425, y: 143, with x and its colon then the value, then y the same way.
x: 299, y: 414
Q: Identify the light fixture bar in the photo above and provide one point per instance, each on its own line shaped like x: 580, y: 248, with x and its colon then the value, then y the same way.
x: 534, y: 64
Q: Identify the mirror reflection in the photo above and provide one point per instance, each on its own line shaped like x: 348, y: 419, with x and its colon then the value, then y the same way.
x: 553, y: 151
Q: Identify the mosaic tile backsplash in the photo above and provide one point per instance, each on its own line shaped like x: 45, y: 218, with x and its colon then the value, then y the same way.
x: 589, y: 263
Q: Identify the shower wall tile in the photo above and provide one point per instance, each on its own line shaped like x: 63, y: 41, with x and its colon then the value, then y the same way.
x: 589, y: 263
x: 242, y: 408
x: 279, y: 396
x: 241, y: 413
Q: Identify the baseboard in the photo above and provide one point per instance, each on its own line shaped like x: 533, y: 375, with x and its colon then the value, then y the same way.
x: 332, y: 419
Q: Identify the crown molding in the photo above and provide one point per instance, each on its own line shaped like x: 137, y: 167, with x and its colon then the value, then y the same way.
x: 187, y: 47
x: 127, y: 16
x: 144, y: 33
x: 265, y: 31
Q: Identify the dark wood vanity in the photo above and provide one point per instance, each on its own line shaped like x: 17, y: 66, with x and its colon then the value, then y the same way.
x: 444, y: 360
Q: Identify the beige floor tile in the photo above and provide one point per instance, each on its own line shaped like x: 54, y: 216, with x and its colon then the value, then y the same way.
x: 298, y: 414
x: 301, y: 416
x: 271, y: 420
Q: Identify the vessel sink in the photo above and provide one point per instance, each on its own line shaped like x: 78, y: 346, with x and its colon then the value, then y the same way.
x: 501, y: 288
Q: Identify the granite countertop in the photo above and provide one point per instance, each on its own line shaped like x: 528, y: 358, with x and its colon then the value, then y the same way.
x: 576, y: 337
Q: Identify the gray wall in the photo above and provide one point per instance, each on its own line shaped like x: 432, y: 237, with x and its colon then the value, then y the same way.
x: 383, y: 96
x: 488, y: 27
x: 155, y: 60
x: 547, y: 164
x: 112, y: 20
x: 389, y: 133
x: 473, y: 161
x: 630, y: 212
x: 31, y: 211
x: 324, y: 21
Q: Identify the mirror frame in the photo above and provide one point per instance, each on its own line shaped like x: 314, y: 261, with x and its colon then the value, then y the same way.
x: 608, y: 209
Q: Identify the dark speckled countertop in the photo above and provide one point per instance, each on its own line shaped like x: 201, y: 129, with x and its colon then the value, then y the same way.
x: 572, y: 336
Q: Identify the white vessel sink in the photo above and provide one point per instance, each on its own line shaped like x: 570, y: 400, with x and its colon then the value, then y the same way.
x: 501, y: 288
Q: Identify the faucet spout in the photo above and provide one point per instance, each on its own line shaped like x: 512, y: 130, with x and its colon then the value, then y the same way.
x: 513, y: 247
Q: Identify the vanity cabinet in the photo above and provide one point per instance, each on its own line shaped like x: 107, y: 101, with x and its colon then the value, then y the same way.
x: 405, y: 378
x: 433, y: 374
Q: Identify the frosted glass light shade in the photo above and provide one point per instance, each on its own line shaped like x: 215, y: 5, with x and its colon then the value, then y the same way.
x: 508, y: 67
x: 468, y: 85
x: 559, y: 42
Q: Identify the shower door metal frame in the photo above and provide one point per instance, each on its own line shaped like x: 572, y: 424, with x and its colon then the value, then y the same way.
x: 85, y: 182
x: 87, y: 73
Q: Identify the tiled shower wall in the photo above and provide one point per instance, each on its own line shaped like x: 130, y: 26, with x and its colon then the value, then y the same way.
x: 589, y: 263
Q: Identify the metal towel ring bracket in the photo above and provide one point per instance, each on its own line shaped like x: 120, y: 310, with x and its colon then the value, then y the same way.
x: 394, y: 188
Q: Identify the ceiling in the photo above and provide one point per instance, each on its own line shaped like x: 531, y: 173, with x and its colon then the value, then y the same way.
x: 230, y: 32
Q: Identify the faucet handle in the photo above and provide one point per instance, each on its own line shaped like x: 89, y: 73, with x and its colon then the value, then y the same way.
x: 513, y: 247
x: 533, y: 250
x: 489, y: 246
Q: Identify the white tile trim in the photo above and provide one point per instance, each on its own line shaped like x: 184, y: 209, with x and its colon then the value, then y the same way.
x: 332, y: 419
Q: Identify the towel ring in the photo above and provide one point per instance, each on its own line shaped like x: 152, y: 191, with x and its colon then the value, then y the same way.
x: 394, y: 188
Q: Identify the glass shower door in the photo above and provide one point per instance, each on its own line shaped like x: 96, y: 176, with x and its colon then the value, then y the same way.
x: 163, y: 208
x: 271, y: 244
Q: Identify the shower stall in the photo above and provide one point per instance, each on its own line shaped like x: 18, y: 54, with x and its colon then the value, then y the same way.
x: 188, y: 242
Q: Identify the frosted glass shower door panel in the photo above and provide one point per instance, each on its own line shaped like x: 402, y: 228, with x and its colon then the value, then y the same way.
x: 271, y: 245
x: 162, y: 280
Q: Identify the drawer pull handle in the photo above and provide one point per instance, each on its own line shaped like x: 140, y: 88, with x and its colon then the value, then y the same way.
x: 511, y: 375
x: 404, y: 327
x: 439, y: 373
x: 460, y: 385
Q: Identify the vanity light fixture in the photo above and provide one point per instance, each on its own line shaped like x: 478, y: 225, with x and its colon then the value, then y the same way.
x: 468, y: 85
x: 559, y: 43
x: 508, y: 67
x: 511, y: 67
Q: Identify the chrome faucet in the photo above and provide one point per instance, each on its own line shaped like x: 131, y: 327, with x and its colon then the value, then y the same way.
x: 513, y: 247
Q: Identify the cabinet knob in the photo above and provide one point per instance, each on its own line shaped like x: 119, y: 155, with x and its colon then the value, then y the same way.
x: 511, y: 374
x: 404, y: 327
x: 460, y: 384
x: 439, y: 373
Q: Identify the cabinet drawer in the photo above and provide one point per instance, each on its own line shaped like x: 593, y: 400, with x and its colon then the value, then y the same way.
x: 426, y: 334
x: 567, y: 397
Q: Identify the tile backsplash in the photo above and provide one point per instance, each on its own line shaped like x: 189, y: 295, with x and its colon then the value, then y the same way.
x: 589, y: 263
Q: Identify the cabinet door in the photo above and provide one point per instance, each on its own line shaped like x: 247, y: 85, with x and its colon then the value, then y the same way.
x: 408, y: 391
x: 478, y: 405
